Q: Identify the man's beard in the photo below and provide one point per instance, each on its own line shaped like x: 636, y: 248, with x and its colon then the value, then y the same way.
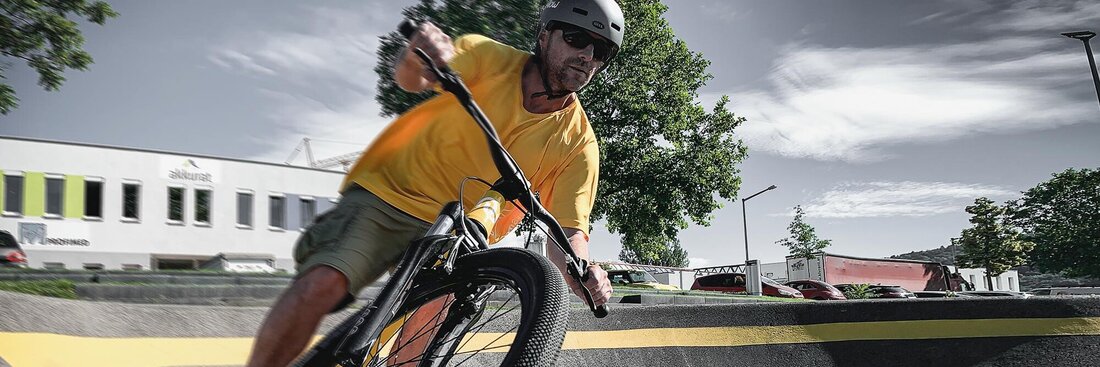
x: 563, y: 79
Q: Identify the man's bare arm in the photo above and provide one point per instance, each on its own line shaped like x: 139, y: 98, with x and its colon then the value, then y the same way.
x: 597, y: 281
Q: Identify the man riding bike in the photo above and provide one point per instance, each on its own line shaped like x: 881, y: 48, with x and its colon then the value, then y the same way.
x: 409, y: 172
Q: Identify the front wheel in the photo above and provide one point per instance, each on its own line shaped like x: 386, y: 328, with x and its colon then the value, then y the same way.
x: 500, y: 307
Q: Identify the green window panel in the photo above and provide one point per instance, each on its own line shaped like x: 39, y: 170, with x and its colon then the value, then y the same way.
x: 74, y: 196
x: 34, y: 194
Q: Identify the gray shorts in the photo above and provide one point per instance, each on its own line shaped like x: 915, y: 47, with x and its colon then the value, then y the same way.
x: 361, y: 237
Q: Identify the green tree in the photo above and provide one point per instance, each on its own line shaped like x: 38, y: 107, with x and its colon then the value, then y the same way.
x: 40, y: 33
x: 655, y: 253
x: 803, y: 241
x: 1062, y: 217
x: 665, y: 159
x: 990, y: 243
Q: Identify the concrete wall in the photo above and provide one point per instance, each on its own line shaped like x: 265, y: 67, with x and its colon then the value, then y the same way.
x: 113, y: 241
x: 776, y: 271
x: 682, y: 279
x: 1040, y: 331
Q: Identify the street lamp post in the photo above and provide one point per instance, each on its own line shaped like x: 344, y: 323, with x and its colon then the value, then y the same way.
x: 1084, y: 36
x: 745, y: 220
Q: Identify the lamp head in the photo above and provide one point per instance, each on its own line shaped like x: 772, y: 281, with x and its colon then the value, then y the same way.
x: 1081, y: 35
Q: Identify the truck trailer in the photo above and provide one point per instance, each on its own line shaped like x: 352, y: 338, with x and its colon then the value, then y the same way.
x: 913, y: 275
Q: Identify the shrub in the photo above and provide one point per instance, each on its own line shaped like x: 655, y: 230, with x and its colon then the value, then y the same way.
x: 859, y: 291
x: 61, y: 288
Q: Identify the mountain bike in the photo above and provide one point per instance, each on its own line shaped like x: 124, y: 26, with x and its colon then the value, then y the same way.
x: 500, y: 306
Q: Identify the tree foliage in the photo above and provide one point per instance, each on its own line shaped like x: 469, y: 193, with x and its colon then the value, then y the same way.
x: 40, y: 33
x: 1062, y: 217
x: 665, y: 159
x: 803, y: 241
x: 990, y: 243
x: 859, y: 291
x: 656, y: 253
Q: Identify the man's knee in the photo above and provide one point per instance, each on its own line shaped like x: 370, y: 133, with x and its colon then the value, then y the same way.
x: 321, y: 284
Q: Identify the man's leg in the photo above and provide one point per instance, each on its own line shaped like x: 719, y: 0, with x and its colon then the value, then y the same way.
x: 292, y: 321
x: 418, y: 330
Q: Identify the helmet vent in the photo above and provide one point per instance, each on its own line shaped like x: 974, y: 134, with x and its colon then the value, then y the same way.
x: 580, y: 11
x: 616, y: 26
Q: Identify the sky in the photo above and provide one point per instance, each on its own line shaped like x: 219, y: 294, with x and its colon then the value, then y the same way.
x: 882, y: 119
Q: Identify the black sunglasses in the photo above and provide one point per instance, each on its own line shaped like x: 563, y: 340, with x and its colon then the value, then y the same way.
x: 579, y: 39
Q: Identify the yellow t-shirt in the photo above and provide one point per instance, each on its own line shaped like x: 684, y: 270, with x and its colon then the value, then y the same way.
x: 418, y: 161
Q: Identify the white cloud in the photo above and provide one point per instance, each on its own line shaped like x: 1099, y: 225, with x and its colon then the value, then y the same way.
x: 699, y: 262
x: 1060, y: 16
x: 898, y: 199
x: 321, y: 77
x: 851, y: 104
x: 231, y: 59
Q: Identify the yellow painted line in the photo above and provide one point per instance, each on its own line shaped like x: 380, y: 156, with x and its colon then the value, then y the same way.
x: 734, y: 336
x: 38, y: 349
x: 35, y: 349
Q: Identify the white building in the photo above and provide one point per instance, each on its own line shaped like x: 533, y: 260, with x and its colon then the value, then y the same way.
x: 1007, y: 281
x: 82, y: 206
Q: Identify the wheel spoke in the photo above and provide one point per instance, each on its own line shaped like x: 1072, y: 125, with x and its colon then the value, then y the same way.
x: 495, y: 315
x: 458, y: 328
x: 419, y: 333
x: 474, y: 353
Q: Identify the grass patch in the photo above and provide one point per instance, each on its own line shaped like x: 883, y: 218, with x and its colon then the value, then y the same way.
x: 61, y: 288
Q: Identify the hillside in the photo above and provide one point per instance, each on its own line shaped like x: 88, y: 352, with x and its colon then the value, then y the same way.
x: 944, y: 255
x: 1030, y: 277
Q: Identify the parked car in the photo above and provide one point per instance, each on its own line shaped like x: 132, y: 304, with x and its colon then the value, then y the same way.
x: 637, y: 278
x: 1064, y: 291
x: 996, y: 294
x: 11, y: 255
x: 939, y: 294
x: 813, y: 289
x: 735, y: 282
x: 882, y: 291
x: 891, y: 291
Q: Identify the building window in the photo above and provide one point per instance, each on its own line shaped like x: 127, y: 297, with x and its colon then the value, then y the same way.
x: 202, y: 206
x: 1011, y: 286
x: 998, y: 283
x: 974, y: 282
x: 55, y: 187
x: 93, y: 198
x: 131, y: 201
x: 307, y: 208
x: 175, y: 204
x: 91, y: 266
x: 54, y: 266
x: 244, y: 208
x: 131, y: 267
x: 277, y: 208
x: 13, y: 194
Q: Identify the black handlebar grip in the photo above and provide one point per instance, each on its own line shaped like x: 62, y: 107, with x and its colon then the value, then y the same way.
x: 601, y: 311
x: 407, y: 28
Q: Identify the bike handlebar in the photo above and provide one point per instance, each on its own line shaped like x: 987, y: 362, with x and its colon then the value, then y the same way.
x: 513, y: 185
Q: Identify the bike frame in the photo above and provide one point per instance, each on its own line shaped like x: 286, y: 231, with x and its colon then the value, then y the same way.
x: 350, y: 341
